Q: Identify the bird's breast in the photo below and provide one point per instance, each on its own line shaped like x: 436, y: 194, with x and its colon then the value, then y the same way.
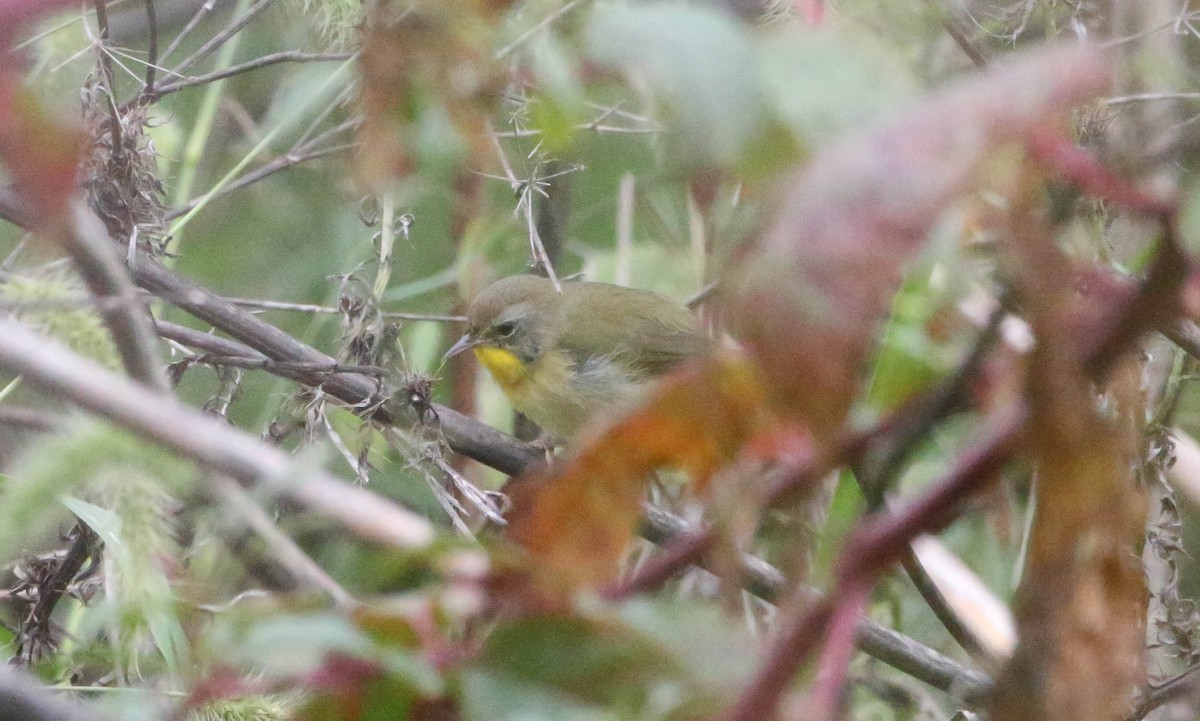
x: 556, y: 392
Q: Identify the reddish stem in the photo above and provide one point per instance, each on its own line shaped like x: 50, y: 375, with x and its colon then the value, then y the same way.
x: 1082, y: 169
x: 839, y: 648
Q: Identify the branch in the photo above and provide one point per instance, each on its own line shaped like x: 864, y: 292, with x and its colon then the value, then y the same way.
x: 1182, y: 683
x: 204, y: 9
x: 106, y: 72
x: 152, y: 50
x: 878, y: 540
x: 50, y: 591
x: 104, y: 274
x: 295, y: 156
x: 286, y: 56
x: 196, y: 435
x: 222, y: 37
x: 464, y: 435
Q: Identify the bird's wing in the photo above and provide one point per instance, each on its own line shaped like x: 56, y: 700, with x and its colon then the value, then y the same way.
x: 643, y: 331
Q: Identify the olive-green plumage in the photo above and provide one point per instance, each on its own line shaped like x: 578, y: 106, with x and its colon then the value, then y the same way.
x: 561, y: 357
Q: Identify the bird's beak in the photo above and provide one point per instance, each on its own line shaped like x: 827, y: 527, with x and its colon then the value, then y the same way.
x: 464, y: 343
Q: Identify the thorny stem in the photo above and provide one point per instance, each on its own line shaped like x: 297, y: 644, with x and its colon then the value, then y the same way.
x: 51, y: 590
x: 524, y: 191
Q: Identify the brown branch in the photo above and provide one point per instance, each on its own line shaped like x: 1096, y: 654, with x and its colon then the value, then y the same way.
x: 877, y: 542
x: 196, y: 435
x: 1185, y: 334
x: 782, y: 483
x: 38, y: 626
x: 287, y: 553
x: 957, y: 25
x: 761, y: 578
x: 878, y: 471
x: 152, y: 50
x: 97, y: 262
x: 464, y: 435
x: 504, y: 453
x: 899, y: 433
x: 29, y: 419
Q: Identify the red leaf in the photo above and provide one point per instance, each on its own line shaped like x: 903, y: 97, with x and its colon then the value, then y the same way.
x: 806, y: 299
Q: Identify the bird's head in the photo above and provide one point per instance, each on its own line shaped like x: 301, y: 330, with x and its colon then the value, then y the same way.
x: 511, y: 324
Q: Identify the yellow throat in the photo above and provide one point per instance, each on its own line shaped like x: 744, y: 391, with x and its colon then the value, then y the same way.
x: 506, y: 368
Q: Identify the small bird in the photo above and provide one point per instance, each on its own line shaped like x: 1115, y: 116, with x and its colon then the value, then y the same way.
x: 562, y: 357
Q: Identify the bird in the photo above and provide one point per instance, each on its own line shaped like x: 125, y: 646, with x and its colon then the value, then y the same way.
x: 561, y: 357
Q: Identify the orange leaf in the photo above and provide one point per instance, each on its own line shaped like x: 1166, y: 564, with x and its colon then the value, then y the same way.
x: 576, y: 523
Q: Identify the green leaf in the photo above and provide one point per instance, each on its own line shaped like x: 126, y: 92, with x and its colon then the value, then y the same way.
x: 823, y: 83
x: 700, y: 64
x: 488, y: 697
x: 294, y: 644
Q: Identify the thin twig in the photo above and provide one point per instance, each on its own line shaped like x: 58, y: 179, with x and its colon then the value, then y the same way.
x: 958, y: 27
x: 703, y: 294
x: 891, y: 647
x: 523, y: 37
x: 286, y: 56
x: 781, y: 483
x: 878, y: 471
x: 330, y: 310
x: 202, y: 11
x: 222, y: 37
x: 281, y: 163
x: 106, y: 73
x: 524, y: 191
x: 1183, y: 683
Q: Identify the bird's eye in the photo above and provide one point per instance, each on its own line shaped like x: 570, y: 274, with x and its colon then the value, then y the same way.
x: 506, y: 329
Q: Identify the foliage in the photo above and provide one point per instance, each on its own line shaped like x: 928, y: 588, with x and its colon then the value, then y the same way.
x: 935, y: 290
